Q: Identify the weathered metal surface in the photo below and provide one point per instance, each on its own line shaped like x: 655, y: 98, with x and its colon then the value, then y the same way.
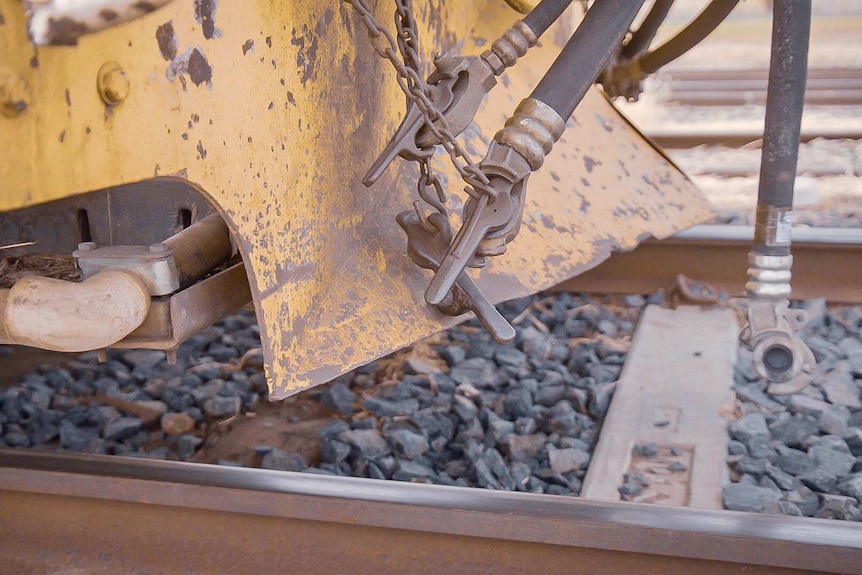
x: 103, y: 514
x: 174, y: 319
x: 132, y: 215
x: 155, y: 265
x: 274, y: 111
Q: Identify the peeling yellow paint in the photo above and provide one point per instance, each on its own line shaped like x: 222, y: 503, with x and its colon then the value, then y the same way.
x: 295, y: 108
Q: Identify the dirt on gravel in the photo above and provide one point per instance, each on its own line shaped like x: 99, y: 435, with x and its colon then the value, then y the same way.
x: 293, y: 425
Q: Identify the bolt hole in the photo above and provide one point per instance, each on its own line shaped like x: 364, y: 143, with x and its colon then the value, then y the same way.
x: 778, y: 358
x: 184, y: 218
x: 84, y: 234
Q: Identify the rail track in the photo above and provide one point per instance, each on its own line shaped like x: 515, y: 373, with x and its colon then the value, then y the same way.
x: 99, y: 514
x: 825, y: 87
x: 827, y: 263
x: 828, y: 88
x: 680, y: 138
x: 63, y: 512
x: 93, y: 513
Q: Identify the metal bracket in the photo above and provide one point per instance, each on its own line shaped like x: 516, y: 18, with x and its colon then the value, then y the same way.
x: 153, y: 264
x: 780, y: 355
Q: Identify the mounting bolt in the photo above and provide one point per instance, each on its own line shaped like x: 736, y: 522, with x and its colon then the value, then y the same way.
x: 112, y: 83
x: 13, y: 93
x: 87, y: 246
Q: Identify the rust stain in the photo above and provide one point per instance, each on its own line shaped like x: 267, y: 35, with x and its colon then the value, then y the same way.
x: 65, y: 31
x: 199, y: 69
x: 194, y: 63
x: 306, y: 53
x: 167, y: 40
x: 205, y: 16
x: 249, y: 45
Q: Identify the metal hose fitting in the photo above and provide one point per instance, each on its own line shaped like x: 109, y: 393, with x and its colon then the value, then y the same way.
x: 512, y: 45
x: 532, y: 131
x: 768, y: 277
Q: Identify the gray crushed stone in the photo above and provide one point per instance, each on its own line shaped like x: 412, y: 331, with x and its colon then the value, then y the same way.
x: 806, y: 449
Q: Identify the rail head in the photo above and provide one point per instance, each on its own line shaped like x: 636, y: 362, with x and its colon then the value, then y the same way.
x: 630, y: 532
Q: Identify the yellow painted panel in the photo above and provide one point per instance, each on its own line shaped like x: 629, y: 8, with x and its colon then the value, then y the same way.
x: 276, y: 117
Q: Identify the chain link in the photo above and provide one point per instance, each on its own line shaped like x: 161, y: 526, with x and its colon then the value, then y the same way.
x: 413, y: 85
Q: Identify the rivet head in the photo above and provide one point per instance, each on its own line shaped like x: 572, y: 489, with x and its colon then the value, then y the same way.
x: 112, y: 83
x: 13, y: 93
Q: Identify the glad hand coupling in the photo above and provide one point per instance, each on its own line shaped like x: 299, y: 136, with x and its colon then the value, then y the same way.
x: 441, y: 107
x: 454, y: 92
x: 492, y: 219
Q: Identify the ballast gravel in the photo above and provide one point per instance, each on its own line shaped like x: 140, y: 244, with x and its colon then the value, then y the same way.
x: 801, y: 454
x: 462, y: 410
x: 466, y: 411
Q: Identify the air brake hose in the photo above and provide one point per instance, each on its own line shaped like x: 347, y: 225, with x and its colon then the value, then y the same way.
x: 645, y: 34
x: 546, y: 13
x: 785, y: 97
x: 586, y: 54
x: 699, y: 28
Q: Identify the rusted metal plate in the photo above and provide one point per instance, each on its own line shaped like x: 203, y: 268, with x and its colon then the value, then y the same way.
x: 275, y: 111
x: 102, y: 514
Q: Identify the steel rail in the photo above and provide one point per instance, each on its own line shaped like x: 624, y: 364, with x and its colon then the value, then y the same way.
x: 742, y: 96
x: 744, y: 84
x: 700, y: 74
x: 827, y: 262
x: 111, y: 514
x: 684, y: 137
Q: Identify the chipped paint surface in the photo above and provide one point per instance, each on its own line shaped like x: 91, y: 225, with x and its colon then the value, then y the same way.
x: 278, y: 127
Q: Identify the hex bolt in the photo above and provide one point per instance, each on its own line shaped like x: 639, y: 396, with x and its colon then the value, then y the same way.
x: 13, y: 93
x: 112, y: 83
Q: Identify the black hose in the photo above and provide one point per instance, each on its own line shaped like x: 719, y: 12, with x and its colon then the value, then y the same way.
x: 645, y: 34
x: 785, y: 96
x: 586, y: 54
x: 546, y: 13
x: 699, y: 28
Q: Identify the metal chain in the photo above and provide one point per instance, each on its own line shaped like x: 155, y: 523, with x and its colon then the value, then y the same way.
x: 414, y: 86
x: 408, y: 38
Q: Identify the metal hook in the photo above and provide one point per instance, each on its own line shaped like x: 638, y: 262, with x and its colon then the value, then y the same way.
x: 428, y: 180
